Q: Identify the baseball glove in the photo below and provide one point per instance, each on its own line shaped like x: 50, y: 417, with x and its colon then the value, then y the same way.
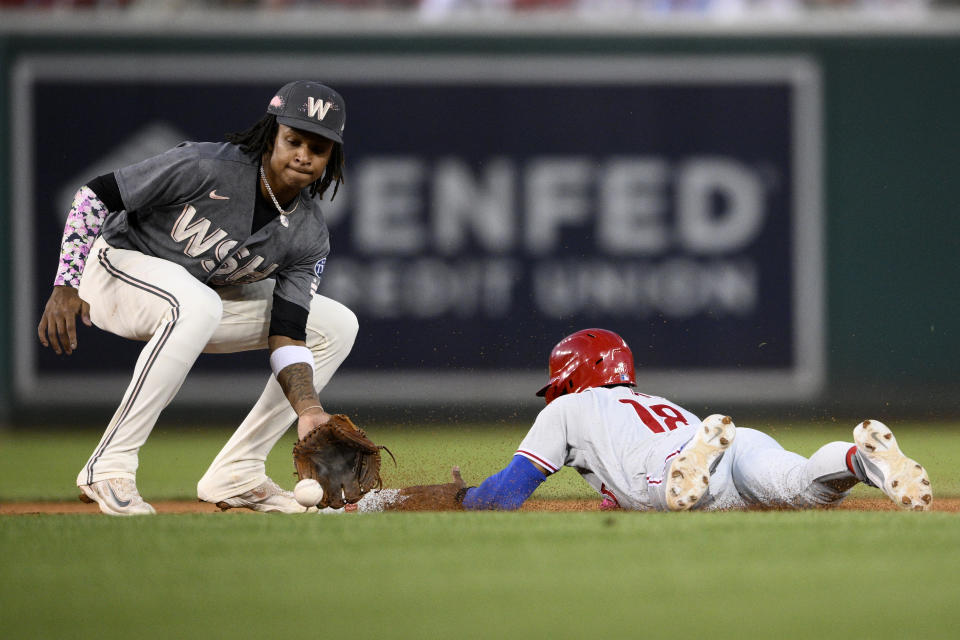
x: 340, y: 457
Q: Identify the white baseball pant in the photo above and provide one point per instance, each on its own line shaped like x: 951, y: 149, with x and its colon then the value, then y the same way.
x: 144, y: 298
x: 756, y: 471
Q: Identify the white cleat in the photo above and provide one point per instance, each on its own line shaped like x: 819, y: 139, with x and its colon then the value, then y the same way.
x: 689, y: 475
x: 116, y: 497
x: 904, y: 480
x: 268, y: 497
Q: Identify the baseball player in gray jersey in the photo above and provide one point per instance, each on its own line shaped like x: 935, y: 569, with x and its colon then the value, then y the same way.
x: 214, y: 248
x: 643, y: 452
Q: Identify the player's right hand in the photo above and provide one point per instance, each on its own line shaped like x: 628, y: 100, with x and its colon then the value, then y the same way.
x: 58, y: 324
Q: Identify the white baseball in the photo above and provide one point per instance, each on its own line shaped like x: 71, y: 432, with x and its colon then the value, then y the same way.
x: 308, y: 492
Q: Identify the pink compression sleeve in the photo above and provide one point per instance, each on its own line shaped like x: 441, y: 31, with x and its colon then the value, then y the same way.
x: 83, y: 225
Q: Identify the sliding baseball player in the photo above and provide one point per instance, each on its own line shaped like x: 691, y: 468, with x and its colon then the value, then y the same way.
x: 644, y: 452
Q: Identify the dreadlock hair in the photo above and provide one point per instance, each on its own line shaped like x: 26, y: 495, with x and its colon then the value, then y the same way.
x: 259, y: 139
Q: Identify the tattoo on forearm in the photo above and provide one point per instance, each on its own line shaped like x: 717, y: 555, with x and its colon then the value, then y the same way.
x: 296, y: 380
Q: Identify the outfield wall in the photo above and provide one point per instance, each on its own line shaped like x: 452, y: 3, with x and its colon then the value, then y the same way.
x: 768, y: 216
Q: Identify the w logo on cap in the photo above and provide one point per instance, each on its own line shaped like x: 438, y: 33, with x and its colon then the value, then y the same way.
x: 317, y: 108
x: 310, y: 106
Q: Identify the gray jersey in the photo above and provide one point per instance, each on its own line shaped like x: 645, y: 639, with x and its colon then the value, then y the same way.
x: 194, y: 206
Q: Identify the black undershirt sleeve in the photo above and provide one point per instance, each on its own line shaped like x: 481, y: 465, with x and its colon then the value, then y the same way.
x: 108, y: 191
x: 288, y: 319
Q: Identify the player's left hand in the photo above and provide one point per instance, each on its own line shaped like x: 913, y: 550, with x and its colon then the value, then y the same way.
x: 58, y: 324
x: 432, y: 497
x: 310, y: 419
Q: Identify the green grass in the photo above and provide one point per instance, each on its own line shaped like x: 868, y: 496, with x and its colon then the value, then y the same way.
x: 787, y: 575
x: 44, y: 465
x: 813, y: 574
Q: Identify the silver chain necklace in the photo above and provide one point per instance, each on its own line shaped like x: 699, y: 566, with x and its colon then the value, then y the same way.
x: 283, y: 214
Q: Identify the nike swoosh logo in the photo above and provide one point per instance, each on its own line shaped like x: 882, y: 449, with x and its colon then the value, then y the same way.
x: 120, y: 502
x: 213, y: 194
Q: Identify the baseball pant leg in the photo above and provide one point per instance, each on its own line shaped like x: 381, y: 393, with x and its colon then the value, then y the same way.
x: 765, y: 474
x: 331, y: 329
x: 143, y: 298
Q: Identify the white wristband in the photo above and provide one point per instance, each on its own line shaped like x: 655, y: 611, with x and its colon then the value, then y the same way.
x: 283, y: 357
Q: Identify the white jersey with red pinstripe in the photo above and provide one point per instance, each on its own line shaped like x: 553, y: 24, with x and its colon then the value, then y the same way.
x: 622, y: 442
x: 607, y: 434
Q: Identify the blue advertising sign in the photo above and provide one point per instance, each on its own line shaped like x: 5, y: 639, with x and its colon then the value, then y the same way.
x: 491, y: 207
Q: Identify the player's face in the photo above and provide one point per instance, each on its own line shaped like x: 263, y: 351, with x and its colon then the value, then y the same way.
x: 297, y: 159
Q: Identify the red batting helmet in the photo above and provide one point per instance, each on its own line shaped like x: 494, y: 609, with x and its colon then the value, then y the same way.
x: 588, y: 358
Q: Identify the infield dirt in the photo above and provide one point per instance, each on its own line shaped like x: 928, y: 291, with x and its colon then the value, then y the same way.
x: 950, y: 505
